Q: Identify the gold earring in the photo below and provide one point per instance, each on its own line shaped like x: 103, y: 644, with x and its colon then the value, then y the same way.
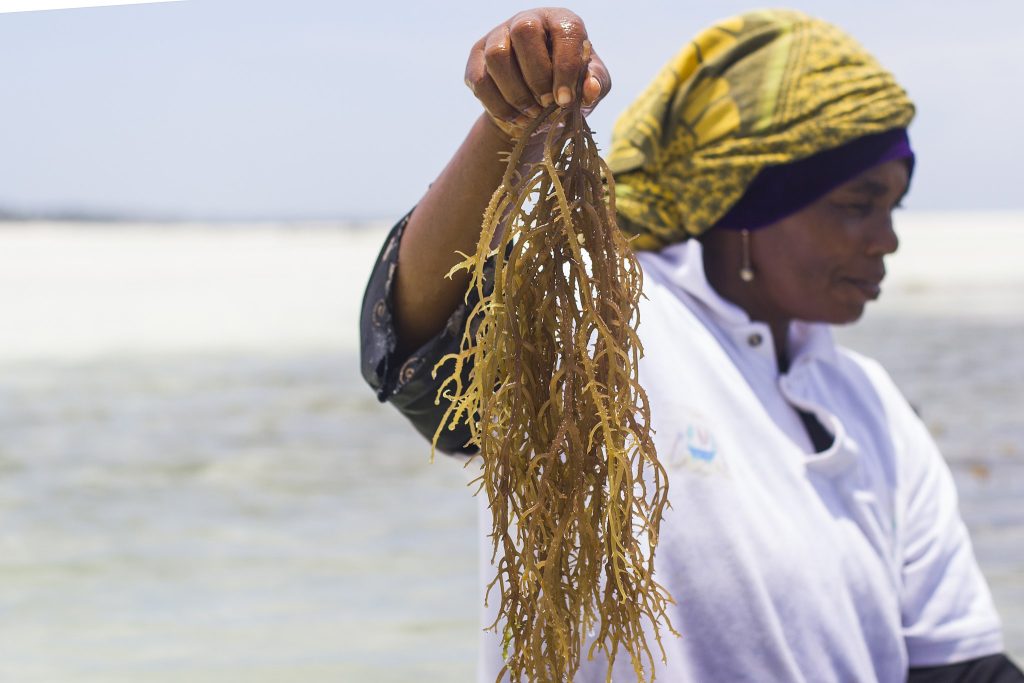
x: 746, y: 271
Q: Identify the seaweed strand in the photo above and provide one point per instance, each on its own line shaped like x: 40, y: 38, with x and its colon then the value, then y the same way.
x: 554, y: 405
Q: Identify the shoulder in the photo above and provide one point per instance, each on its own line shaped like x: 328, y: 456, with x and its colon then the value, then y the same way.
x: 874, y: 375
x: 849, y: 358
x: 895, y: 428
x: 915, y: 454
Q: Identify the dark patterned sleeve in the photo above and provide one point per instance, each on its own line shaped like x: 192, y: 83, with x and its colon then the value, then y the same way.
x: 407, y: 383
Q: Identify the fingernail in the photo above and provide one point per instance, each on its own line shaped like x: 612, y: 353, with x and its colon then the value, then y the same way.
x: 546, y: 99
x: 534, y: 111
x: 563, y: 96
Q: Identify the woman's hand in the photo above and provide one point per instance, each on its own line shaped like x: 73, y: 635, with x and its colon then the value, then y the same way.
x: 534, y: 59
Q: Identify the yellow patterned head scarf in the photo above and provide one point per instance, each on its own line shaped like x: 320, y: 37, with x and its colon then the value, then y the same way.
x: 761, y: 89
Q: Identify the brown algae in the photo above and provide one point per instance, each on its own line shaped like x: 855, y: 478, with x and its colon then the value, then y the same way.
x: 553, y: 403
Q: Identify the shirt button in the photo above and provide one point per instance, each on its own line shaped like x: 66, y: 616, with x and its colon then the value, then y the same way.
x: 755, y: 339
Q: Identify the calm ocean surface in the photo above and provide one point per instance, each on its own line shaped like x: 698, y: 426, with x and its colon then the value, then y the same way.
x: 256, y: 515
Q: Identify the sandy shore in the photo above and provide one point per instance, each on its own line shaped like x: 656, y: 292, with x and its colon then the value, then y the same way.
x: 71, y: 291
x: 78, y: 291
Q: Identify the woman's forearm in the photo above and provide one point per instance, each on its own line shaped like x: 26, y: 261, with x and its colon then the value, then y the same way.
x: 445, y: 221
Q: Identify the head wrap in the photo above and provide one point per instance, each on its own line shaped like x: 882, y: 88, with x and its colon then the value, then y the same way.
x: 762, y: 89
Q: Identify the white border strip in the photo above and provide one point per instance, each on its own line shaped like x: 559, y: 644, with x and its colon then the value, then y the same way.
x: 39, y: 5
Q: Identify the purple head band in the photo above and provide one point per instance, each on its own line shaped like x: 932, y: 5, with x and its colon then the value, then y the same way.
x: 778, y: 191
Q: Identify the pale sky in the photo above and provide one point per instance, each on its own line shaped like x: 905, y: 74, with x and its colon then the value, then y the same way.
x: 328, y: 109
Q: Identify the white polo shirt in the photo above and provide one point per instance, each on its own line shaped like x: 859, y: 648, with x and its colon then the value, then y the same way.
x: 785, y: 564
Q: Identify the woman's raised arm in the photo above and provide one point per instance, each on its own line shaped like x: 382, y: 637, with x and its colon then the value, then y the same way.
x: 522, y: 65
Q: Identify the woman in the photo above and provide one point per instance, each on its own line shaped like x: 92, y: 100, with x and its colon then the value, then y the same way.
x: 814, y: 534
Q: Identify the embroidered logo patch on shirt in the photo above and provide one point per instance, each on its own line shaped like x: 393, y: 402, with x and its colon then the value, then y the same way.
x: 694, y: 447
x: 700, y: 443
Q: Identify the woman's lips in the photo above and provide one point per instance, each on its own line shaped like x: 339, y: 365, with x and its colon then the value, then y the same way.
x: 870, y: 288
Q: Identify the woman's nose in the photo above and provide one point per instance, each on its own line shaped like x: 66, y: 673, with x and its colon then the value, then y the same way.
x: 882, y: 238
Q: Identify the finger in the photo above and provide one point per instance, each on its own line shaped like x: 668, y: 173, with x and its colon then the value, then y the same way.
x: 483, y: 86
x: 567, y: 34
x: 503, y: 69
x: 598, y: 82
x: 530, y: 45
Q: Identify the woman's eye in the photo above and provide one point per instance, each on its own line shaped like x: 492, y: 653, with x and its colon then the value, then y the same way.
x: 857, y: 208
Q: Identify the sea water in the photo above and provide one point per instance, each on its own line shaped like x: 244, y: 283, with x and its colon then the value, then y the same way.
x: 196, y: 485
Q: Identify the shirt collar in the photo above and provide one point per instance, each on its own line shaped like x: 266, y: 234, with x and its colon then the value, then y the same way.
x: 682, y: 265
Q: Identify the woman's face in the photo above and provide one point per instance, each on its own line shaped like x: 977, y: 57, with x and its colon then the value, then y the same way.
x: 825, y: 262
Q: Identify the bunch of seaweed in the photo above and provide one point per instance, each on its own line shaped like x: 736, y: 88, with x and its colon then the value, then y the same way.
x: 551, y: 396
